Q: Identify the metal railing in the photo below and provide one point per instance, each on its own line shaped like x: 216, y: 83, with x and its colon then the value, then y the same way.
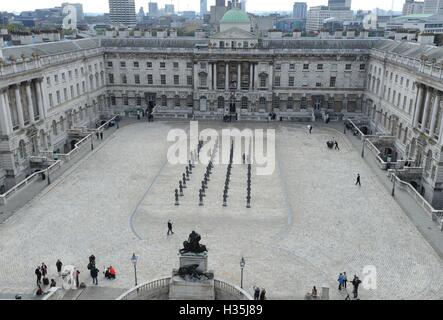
x: 59, y: 160
x: 435, y: 215
x: 233, y: 290
x: 145, y: 288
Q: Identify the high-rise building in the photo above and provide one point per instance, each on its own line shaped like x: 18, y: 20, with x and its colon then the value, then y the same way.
x: 79, y: 10
x: 300, y: 10
x: 412, y: 7
x: 317, y: 15
x: 243, y: 5
x: 122, y: 12
x: 220, y: 3
x: 433, y: 6
x: 333, y: 4
x: 140, y: 15
x: 169, y: 9
x: 153, y: 9
x: 203, y: 7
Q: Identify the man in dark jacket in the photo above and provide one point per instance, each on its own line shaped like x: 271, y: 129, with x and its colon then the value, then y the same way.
x: 94, y: 275
x: 356, y: 282
x: 38, y: 273
x: 256, y: 293
x: 59, y: 265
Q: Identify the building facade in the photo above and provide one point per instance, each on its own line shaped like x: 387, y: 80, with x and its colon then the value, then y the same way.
x: 300, y: 10
x: 48, y: 89
x: 413, y: 7
x: 317, y: 16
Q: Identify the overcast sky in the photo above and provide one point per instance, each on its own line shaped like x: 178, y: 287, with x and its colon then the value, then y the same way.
x: 100, y: 6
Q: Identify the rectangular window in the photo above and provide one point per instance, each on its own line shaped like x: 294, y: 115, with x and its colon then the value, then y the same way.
x: 124, y: 79
x: 306, y: 66
x: 163, y: 79
x: 291, y: 81
x: 320, y: 66
x: 122, y: 64
x: 78, y: 89
x: 83, y: 86
x: 162, y: 65
x: 63, y: 76
x: 362, y: 67
x: 149, y: 65
x: 348, y: 66
x: 189, y: 80
x: 292, y: 66
x: 138, y: 100
x: 318, y: 84
x: 332, y: 82
x: 70, y: 75
x: 137, y: 79
x: 113, y: 101
x: 277, y: 81
x: 65, y: 94
x: 136, y: 64
x: 111, y: 78
x: 262, y: 81
x: 76, y: 72
x: 150, y: 80
x: 51, y: 101
x: 56, y: 78
x: 175, y: 65
x: 48, y: 80
x: 278, y: 66
x: 58, y: 97
x: 125, y: 100
x: 72, y: 92
x: 189, y: 65
x: 176, y: 79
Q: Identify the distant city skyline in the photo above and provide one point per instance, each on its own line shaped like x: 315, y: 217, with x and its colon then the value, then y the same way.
x: 101, y: 6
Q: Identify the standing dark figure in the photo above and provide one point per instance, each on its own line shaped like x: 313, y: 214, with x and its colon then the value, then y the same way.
x: 94, y: 275
x: 356, y: 282
x: 170, y: 228
x: 101, y: 135
x: 53, y: 283
x: 59, y: 265
x: 345, y: 279
x: 77, y: 280
x: 38, y: 273
x: 256, y: 293
x: 336, y: 146
x: 44, y: 269
x: 310, y: 129
x: 358, y: 180
x: 263, y: 294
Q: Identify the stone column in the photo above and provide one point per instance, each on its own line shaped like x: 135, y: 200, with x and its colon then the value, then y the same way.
x: 5, y: 116
x: 435, y: 108
x: 18, y: 102
x: 215, y: 86
x: 256, y: 81
x: 30, y: 103
x: 271, y: 76
x: 196, y: 78
x: 420, y: 97
x: 40, y: 101
x: 227, y: 77
x: 426, y: 110
x: 239, y: 76
x: 251, y: 76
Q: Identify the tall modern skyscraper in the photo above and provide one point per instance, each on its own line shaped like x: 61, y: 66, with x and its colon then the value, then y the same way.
x: 169, y: 9
x: 153, y: 9
x: 220, y: 3
x: 433, y: 6
x: 300, y: 10
x: 339, y: 4
x: 203, y: 7
x: 122, y: 12
x: 243, y: 5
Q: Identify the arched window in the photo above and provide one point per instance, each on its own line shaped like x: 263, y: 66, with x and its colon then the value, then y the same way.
x: 54, y: 128
x: 262, y: 102
x: 22, y: 149
x: 190, y: 101
x: 290, y: 103
x: 164, y: 101
x: 221, y: 102
x: 244, y: 103
x: 177, y: 101
x: 263, y: 79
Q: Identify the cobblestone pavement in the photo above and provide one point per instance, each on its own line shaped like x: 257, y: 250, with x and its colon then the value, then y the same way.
x: 308, y: 221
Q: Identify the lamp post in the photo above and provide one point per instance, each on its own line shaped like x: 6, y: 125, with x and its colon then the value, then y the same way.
x: 92, y: 142
x: 49, y: 179
x: 134, y: 260
x: 393, y: 184
x: 242, y: 266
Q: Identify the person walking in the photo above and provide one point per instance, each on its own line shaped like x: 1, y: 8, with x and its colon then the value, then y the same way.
x: 336, y: 145
x: 358, y: 180
x: 94, y: 275
x: 310, y: 129
x: 170, y: 228
x: 77, y: 280
x: 59, y: 265
x: 53, y: 283
x: 263, y: 294
x: 355, y: 282
x: 314, y: 293
x: 38, y: 273
x: 256, y: 293
x: 101, y: 135
x: 345, y: 279
x: 340, y: 281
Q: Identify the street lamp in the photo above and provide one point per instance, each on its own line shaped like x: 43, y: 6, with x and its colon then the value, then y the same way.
x: 134, y: 260
x: 242, y: 266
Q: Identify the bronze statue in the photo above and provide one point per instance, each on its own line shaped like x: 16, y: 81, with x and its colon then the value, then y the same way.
x: 193, y: 244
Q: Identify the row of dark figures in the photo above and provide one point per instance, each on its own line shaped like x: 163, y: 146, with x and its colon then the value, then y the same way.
x: 188, y: 172
x: 228, y: 176
x: 248, y: 197
x: 206, y: 178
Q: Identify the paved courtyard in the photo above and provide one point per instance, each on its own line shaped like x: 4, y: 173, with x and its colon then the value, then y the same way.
x: 308, y: 221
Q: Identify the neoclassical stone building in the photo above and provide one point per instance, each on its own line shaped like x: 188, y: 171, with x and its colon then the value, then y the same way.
x: 49, y: 88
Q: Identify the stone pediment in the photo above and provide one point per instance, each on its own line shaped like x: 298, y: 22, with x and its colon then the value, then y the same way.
x: 235, y: 33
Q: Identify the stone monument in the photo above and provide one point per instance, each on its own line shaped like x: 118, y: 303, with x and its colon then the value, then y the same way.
x: 192, y: 281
